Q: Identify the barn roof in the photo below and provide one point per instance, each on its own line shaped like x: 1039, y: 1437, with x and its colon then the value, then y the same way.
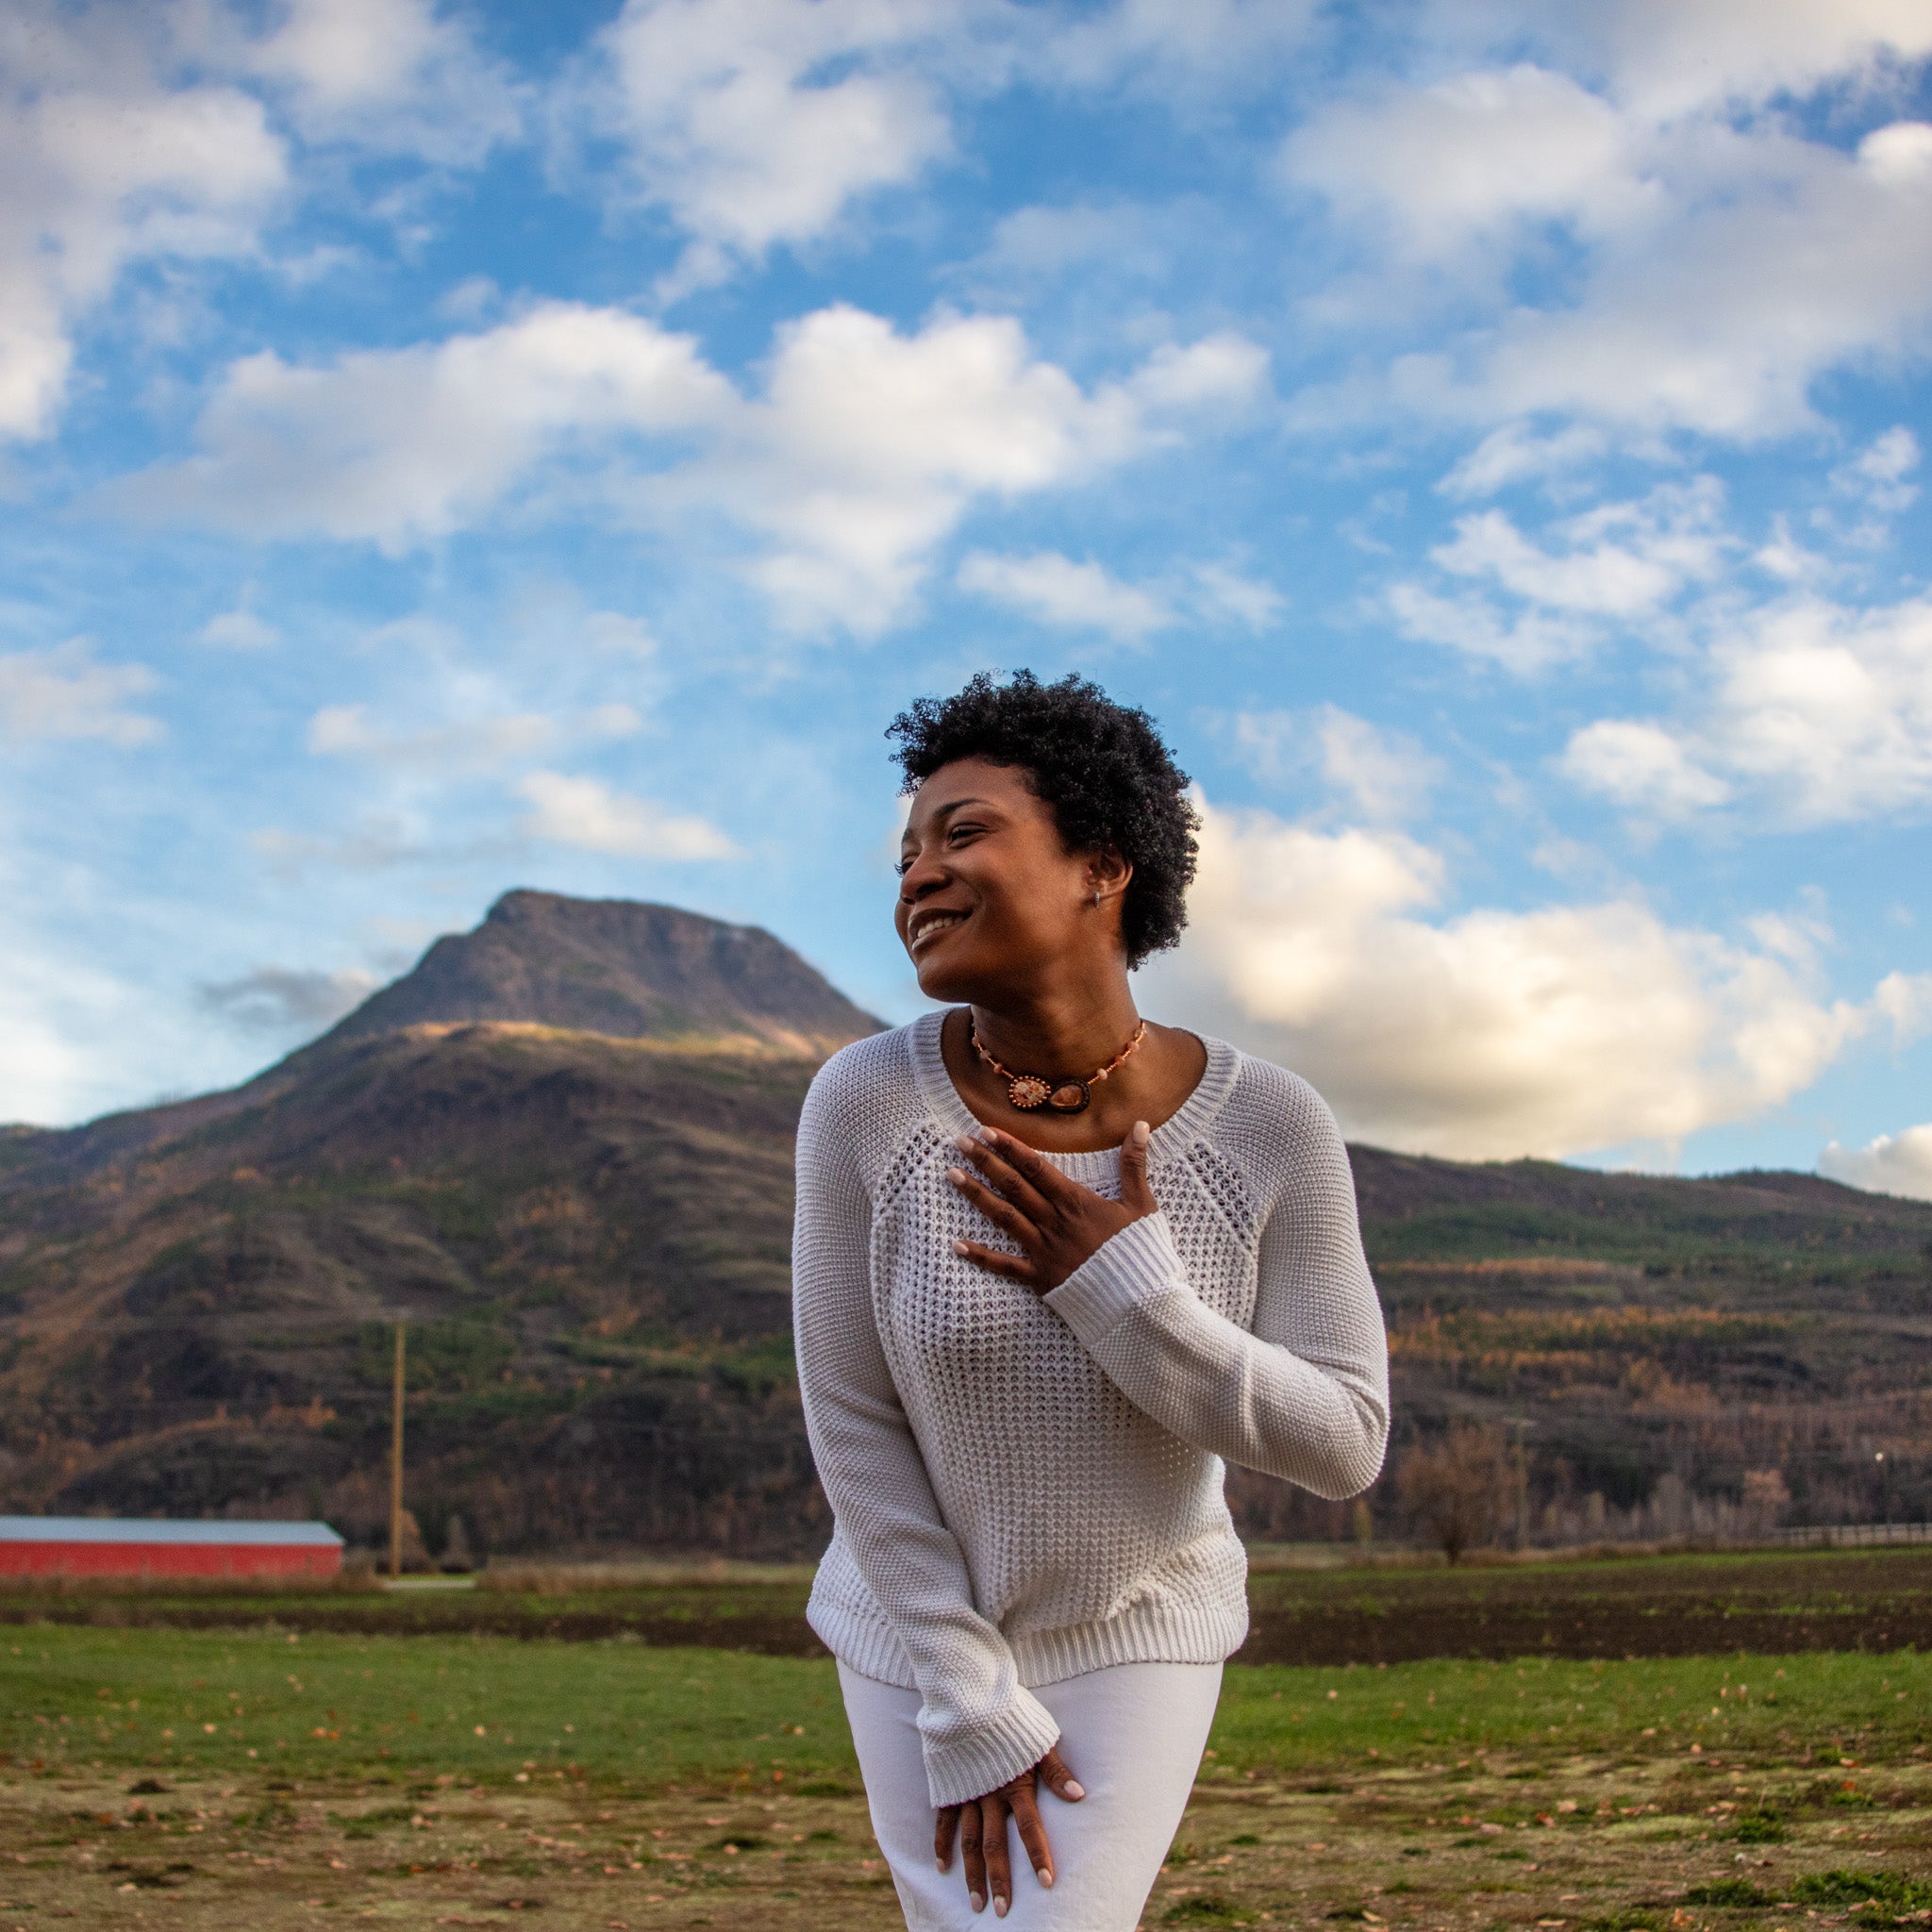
x: 138, y: 1530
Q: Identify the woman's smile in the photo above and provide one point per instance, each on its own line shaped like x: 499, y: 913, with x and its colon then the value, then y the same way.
x: 929, y: 923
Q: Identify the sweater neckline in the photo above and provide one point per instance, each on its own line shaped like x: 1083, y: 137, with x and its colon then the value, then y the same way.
x: 1188, y: 1122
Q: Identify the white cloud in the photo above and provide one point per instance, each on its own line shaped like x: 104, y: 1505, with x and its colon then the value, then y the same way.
x: 592, y: 816
x: 389, y: 75
x: 1515, y: 452
x: 1823, y: 711
x: 107, y: 163
x: 868, y: 446
x: 1524, y: 642
x: 1699, y: 322
x: 1467, y: 158
x: 1492, y: 1033
x: 1168, y: 48
x: 64, y: 1022
x: 284, y: 999
x: 1668, y: 57
x: 863, y: 452
x: 62, y: 692
x: 399, y: 445
x: 1667, y: 541
x: 239, y: 629
x: 1892, y: 1164
x: 1614, y: 234
x: 476, y: 745
x: 1877, y: 476
x: 1052, y: 589
x: 1227, y: 593
x: 1373, y: 774
x: 1640, y: 766
x: 758, y: 122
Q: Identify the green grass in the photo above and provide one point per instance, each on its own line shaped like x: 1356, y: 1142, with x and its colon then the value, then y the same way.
x: 485, y: 1708
x: 490, y: 1708
x: 1845, y: 1704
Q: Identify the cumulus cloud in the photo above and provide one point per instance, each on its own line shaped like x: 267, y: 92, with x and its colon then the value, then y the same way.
x: 107, y: 160
x: 593, y: 817
x: 398, y: 445
x: 759, y: 122
x: 1469, y: 157
x: 861, y: 454
x: 283, y: 999
x: 1594, y: 231
x: 1055, y: 589
x: 1821, y: 710
x: 1892, y: 1164
x: 390, y: 75
x: 64, y: 692
x: 1523, y: 641
x: 1640, y: 766
x: 1668, y: 57
x: 1491, y: 1033
x: 1618, y: 560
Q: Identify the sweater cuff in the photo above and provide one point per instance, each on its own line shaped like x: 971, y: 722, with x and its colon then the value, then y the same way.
x: 984, y: 1758
x: 1128, y: 1270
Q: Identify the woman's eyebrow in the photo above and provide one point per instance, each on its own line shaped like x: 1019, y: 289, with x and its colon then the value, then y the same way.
x: 944, y: 812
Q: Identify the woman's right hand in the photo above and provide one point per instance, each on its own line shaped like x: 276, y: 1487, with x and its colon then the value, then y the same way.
x: 980, y: 1826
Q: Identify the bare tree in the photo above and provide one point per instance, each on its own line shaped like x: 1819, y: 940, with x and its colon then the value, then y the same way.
x: 1458, y: 1487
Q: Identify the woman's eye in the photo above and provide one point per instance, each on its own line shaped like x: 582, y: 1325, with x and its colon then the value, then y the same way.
x: 903, y: 866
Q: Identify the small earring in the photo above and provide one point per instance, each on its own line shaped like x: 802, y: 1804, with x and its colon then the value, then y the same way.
x: 1096, y: 898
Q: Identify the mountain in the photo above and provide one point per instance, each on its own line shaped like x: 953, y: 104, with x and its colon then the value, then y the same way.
x: 561, y: 1148
x: 617, y: 967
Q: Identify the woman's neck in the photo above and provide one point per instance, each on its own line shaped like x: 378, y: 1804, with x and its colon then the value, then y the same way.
x: 1071, y: 1032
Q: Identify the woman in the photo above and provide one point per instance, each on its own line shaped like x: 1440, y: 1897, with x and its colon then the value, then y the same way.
x: 1054, y: 1265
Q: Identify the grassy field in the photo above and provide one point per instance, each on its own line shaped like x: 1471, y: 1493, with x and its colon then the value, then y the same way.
x: 270, y: 1778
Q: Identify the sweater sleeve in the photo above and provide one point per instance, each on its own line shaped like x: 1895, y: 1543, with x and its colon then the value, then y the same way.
x: 1305, y: 1395
x: 979, y: 1725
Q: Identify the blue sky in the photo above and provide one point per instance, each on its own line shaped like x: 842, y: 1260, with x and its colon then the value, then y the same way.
x: 447, y: 449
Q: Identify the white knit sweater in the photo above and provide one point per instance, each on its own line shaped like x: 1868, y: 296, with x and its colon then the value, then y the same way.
x: 1025, y: 1488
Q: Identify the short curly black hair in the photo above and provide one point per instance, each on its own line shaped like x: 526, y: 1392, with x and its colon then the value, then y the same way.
x: 1099, y: 767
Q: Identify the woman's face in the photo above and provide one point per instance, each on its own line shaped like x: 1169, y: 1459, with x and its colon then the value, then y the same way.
x: 988, y: 893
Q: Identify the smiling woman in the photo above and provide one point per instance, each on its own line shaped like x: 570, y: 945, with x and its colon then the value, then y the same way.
x: 1054, y: 1265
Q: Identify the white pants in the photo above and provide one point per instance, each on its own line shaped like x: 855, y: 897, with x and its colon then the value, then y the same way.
x: 1132, y: 1735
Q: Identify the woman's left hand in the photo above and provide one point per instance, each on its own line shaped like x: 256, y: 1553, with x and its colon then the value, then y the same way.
x: 1055, y: 1223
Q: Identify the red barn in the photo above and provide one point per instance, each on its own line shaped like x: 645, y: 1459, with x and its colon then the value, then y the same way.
x: 131, y: 1546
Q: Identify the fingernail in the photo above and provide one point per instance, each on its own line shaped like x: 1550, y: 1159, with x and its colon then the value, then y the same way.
x: 963, y: 1142
x: 999, y: 1908
x: 1046, y: 1880
x: 1073, y: 1789
x: 986, y: 1134
x: 959, y: 1247
x: 939, y: 1864
x: 1142, y: 1133
x: 956, y: 1175
x: 977, y: 1900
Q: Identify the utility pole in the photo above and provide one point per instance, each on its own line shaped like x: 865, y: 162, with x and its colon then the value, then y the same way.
x: 395, y: 1466
x: 1520, y: 1471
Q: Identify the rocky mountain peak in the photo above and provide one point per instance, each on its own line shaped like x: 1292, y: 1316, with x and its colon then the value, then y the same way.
x: 618, y: 966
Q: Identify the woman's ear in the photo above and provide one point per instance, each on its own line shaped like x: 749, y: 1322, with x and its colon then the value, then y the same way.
x: 1107, y: 874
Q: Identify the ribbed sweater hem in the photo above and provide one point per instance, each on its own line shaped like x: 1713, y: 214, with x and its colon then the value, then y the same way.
x: 1165, y: 1633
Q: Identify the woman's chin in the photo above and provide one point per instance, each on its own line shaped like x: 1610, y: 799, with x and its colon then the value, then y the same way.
x: 941, y: 979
